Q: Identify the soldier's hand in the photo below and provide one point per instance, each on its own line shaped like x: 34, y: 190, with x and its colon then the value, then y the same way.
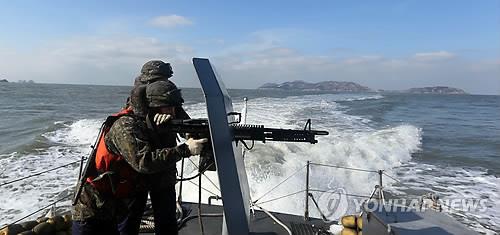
x: 195, y: 146
x: 160, y: 118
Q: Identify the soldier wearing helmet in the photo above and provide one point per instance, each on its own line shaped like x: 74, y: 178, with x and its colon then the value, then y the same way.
x: 164, y: 102
x: 154, y: 70
x: 157, y: 70
x: 135, y: 154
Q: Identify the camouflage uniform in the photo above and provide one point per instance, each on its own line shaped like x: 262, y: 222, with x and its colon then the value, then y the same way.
x: 153, y: 155
x: 130, y: 138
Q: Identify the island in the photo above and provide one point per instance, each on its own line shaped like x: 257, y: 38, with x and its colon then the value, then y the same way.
x: 26, y: 81
x: 444, y: 90
x: 336, y: 86
x: 326, y: 86
x: 3, y: 80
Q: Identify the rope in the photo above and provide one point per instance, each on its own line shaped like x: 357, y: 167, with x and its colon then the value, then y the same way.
x: 41, y: 209
x: 343, y: 167
x: 393, y: 178
x: 204, y: 189
x: 201, y: 172
x: 279, y: 184
x: 277, y: 198
x: 276, y: 220
x: 348, y: 194
x: 205, y: 175
x: 36, y: 174
x: 317, y: 207
x: 147, y: 225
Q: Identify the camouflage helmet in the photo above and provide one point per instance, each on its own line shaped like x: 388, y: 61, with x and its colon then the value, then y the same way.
x: 163, y: 93
x: 154, y: 70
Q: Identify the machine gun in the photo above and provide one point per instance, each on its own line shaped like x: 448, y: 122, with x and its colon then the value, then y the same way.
x: 198, y: 128
x: 245, y: 131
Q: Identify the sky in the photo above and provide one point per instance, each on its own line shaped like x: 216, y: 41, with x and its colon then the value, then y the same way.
x: 390, y: 45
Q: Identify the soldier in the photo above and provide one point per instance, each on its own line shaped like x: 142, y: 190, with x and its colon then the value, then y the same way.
x: 129, y: 152
x: 151, y: 72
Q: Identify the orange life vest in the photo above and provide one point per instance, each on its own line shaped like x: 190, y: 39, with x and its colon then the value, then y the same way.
x: 115, y: 176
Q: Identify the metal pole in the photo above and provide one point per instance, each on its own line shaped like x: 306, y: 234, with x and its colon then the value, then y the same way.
x: 380, y: 196
x: 200, y: 221
x: 306, y: 211
x: 179, y: 199
x: 245, y: 110
x: 244, y: 121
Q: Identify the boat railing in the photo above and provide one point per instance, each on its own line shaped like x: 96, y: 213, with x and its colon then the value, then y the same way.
x: 378, y: 190
x: 49, y: 206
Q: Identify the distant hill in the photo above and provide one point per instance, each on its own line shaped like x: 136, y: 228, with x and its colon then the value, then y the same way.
x: 3, y: 80
x: 436, y: 90
x: 25, y: 81
x: 332, y: 86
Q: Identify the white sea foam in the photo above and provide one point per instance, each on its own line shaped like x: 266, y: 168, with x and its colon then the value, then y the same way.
x: 23, y: 197
x: 351, y: 143
x: 79, y: 133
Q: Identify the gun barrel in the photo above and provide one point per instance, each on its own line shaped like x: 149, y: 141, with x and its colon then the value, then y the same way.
x: 253, y: 132
x: 320, y: 132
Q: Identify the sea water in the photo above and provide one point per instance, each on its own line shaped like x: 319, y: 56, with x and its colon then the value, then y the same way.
x: 445, y: 144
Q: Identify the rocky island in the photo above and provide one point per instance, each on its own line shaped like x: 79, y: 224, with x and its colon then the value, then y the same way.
x: 330, y: 86
x: 335, y: 86
x: 3, y: 80
x: 437, y: 90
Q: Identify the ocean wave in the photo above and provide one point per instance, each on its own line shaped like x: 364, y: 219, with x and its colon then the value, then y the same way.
x: 72, y: 141
x: 81, y: 132
x: 378, y: 150
x: 23, y: 197
x: 361, y: 98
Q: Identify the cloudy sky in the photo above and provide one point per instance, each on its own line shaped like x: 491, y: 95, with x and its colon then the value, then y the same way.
x: 381, y: 44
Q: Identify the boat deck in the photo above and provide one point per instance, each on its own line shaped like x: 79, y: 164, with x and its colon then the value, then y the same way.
x: 260, y: 222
